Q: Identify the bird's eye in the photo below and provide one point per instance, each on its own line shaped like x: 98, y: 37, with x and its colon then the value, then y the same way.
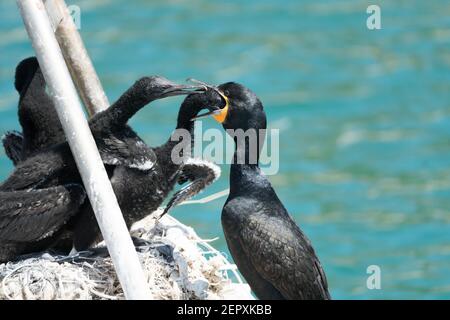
x: 226, y: 92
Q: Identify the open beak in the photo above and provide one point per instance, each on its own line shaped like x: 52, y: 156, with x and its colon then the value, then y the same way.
x: 219, y: 114
x: 222, y: 115
x: 180, y: 89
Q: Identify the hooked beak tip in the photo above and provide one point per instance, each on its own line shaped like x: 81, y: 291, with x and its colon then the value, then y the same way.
x: 182, y: 90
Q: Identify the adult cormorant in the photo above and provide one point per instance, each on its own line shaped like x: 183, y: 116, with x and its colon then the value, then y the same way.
x: 270, y: 250
x: 139, y: 181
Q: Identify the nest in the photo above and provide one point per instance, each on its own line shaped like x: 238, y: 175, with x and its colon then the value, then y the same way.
x: 177, y: 264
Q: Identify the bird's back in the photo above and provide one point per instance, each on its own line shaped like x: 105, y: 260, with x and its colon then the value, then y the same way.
x: 271, y: 251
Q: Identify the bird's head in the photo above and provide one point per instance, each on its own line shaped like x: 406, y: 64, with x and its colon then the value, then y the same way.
x: 237, y: 108
x: 198, y: 101
x: 158, y: 87
x: 25, y: 72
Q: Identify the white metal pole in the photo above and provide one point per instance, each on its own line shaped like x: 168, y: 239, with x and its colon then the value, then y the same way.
x: 76, y: 56
x: 84, y: 150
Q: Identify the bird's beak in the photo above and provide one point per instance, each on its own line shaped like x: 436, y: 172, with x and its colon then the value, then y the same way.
x: 213, y: 113
x: 180, y: 89
x: 219, y: 114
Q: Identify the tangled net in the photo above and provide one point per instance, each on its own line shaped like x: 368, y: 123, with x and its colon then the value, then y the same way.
x: 177, y: 263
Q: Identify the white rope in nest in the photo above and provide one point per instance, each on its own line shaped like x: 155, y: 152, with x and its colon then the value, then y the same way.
x: 177, y: 263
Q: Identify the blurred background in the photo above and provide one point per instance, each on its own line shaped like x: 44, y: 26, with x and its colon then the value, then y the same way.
x: 364, y: 116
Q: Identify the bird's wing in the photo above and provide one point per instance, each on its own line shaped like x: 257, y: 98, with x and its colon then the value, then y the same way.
x: 126, y: 149
x: 200, y: 173
x: 36, y: 214
x: 37, y: 169
x: 13, y: 142
x: 283, y: 255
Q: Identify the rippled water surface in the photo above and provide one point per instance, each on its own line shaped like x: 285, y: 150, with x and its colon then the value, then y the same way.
x: 364, y: 116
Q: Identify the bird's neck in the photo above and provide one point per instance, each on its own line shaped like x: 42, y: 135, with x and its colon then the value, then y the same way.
x: 129, y: 103
x: 180, y: 143
x: 245, y: 169
x: 184, y: 121
x: 183, y: 134
x: 37, y: 116
x: 34, y: 81
x: 185, y: 125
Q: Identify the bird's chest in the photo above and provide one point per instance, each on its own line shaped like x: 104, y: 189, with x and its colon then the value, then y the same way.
x: 138, y: 192
x: 244, y: 215
x: 235, y: 216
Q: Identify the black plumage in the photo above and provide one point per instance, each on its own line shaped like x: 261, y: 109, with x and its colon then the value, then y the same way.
x: 272, y: 253
x: 140, y: 192
x: 140, y: 182
x: 13, y: 144
x: 28, y: 219
x: 41, y: 128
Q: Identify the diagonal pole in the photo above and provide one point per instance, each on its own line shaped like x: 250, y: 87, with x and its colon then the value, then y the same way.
x: 84, y: 150
x: 77, y: 59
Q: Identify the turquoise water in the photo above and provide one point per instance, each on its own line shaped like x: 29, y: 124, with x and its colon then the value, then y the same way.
x: 364, y: 116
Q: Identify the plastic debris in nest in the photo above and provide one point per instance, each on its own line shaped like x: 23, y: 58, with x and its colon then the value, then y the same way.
x: 177, y: 263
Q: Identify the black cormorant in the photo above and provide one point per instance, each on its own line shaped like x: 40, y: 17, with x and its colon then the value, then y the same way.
x: 272, y: 253
x: 41, y: 127
x: 140, y: 192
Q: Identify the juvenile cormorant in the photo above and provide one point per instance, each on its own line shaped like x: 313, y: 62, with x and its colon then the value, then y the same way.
x: 140, y: 192
x: 270, y: 250
x: 41, y: 128
x: 28, y: 222
x: 139, y: 181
